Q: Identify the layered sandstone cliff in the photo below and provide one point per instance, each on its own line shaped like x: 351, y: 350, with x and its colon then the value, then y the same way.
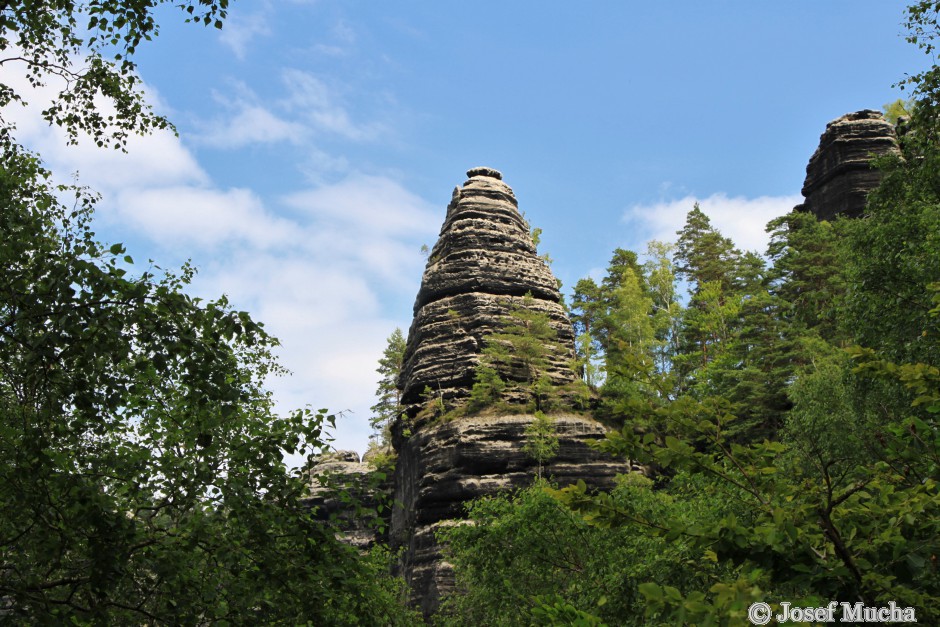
x: 482, y: 268
x: 840, y: 175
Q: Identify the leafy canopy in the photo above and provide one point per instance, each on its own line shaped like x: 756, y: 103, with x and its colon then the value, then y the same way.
x: 85, y: 50
x: 141, y: 463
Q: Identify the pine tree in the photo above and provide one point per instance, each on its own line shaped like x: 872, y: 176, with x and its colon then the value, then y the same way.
x: 586, y: 310
x: 711, y: 264
x: 389, y: 396
x: 541, y: 441
x: 703, y: 255
x: 807, y: 274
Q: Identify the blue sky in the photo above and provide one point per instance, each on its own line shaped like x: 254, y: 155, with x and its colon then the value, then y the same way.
x: 319, y: 142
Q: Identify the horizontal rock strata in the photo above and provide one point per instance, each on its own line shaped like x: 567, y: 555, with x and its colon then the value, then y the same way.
x: 443, y: 467
x: 839, y: 176
x: 448, y: 335
x: 482, y: 266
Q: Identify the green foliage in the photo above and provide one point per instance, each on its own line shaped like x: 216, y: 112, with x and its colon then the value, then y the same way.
x: 487, y: 388
x: 388, y: 406
x: 529, y: 559
x: 898, y: 109
x: 661, y: 281
x: 86, y: 50
x: 921, y: 24
x: 141, y: 465
x: 142, y: 475
x: 703, y: 255
x: 891, y: 256
x: 787, y: 467
x: 380, y: 457
x: 808, y: 275
x: 819, y: 520
x: 434, y: 404
x: 516, y: 359
x: 541, y: 441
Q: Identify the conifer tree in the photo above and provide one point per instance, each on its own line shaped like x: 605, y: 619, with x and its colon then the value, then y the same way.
x: 389, y: 395
x: 541, y: 441
x: 807, y: 274
x: 519, y: 353
x: 703, y: 255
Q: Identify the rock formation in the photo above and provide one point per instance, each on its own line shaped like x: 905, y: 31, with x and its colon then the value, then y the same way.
x: 839, y: 175
x: 340, y: 474
x: 482, y: 267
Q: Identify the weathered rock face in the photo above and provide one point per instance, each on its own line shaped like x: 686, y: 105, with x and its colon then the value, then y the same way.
x: 443, y: 467
x: 482, y: 267
x: 839, y: 175
x: 342, y: 472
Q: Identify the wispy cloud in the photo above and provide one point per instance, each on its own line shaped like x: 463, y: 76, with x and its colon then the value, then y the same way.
x: 250, y: 123
x: 342, y: 38
x: 241, y: 29
x: 739, y: 218
x: 316, y: 265
x: 320, y: 105
x: 309, y: 109
x: 204, y: 217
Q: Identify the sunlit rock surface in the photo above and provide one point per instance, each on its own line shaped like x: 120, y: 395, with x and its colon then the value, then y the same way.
x: 482, y: 266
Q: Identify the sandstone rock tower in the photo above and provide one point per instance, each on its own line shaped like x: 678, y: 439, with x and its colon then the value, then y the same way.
x: 481, y: 268
x: 483, y: 264
x: 839, y: 175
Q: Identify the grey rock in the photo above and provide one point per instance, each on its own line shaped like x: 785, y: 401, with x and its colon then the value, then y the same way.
x: 839, y: 175
x: 485, y: 171
x: 341, y: 473
x: 481, y: 268
x: 443, y: 467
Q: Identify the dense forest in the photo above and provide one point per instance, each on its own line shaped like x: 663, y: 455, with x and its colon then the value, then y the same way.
x: 784, y: 407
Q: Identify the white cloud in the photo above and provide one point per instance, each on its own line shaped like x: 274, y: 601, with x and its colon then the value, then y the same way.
x: 183, y: 216
x: 308, y: 109
x: 318, y: 165
x: 343, y: 37
x: 313, y: 267
x: 319, y: 105
x: 739, y: 218
x: 251, y: 124
x: 316, y: 266
x: 319, y: 290
x: 159, y: 158
x: 241, y: 29
x: 367, y: 203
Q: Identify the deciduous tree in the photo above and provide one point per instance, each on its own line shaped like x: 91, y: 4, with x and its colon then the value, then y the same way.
x: 142, y: 478
x: 85, y: 50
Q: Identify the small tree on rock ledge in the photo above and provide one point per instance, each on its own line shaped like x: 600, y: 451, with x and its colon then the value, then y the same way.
x: 541, y: 441
x: 518, y: 353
